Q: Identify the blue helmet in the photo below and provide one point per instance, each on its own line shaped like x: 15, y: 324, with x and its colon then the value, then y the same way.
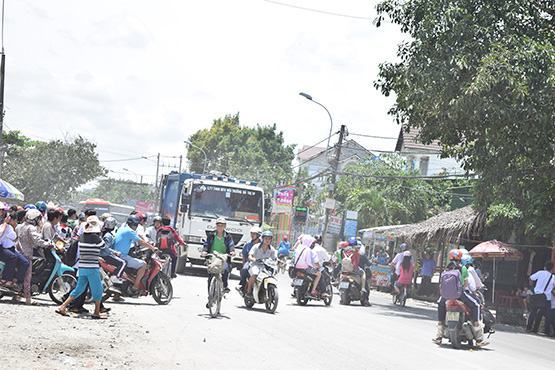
x: 466, y: 259
x: 133, y: 220
x: 267, y: 234
x: 29, y: 206
x: 352, y: 241
x: 403, y: 247
x: 41, y: 206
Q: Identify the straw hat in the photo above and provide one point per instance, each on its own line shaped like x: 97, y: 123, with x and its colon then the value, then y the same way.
x: 93, y: 225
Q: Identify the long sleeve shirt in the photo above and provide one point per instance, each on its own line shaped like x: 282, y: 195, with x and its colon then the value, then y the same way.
x: 29, y: 239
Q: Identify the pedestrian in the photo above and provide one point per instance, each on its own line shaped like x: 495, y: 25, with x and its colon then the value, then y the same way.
x: 426, y: 272
x: 90, y: 244
x: 539, y: 304
x: 16, y: 263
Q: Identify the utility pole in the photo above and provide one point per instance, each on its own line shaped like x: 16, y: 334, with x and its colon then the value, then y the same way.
x: 2, y: 73
x: 335, y: 165
x: 180, y: 163
x: 156, y: 182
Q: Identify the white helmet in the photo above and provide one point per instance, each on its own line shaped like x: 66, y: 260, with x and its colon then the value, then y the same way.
x: 33, y: 215
x: 256, y: 230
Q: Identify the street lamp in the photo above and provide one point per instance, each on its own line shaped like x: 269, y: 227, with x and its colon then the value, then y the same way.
x: 133, y: 173
x: 203, y: 152
x: 306, y: 96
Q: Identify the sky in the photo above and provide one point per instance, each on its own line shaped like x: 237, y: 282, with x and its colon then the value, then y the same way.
x: 139, y: 77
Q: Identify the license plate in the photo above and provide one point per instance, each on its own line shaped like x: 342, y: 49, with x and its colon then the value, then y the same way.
x: 453, y: 316
x: 298, y: 282
x: 344, y: 285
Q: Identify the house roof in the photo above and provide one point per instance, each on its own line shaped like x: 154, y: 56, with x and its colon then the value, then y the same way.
x: 411, y: 140
x: 307, y: 152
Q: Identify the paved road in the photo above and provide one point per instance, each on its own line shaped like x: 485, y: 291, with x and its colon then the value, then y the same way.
x: 141, y: 334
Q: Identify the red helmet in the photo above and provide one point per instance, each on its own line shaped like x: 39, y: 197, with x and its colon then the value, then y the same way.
x: 141, y: 216
x: 455, y: 255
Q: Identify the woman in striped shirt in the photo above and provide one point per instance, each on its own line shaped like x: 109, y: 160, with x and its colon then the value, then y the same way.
x: 90, y: 244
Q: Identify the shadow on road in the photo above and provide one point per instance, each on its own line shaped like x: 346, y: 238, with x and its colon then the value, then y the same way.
x: 36, y: 303
x: 200, y: 271
x: 127, y: 303
x: 256, y: 309
x: 406, y: 312
x: 219, y: 317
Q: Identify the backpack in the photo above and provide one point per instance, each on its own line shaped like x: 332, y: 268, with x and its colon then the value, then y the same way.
x: 347, y: 264
x: 450, y: 286
x: 165, y: 241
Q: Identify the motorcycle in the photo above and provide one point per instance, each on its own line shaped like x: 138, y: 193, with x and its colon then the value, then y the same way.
x: 458, y: 326
x: 302, y: 282
x: 154, y: 282
x: 350, y: 289
x: 401, y: 298
x: 50, y: 275
x: 265, y: 287
x: 282, y: 264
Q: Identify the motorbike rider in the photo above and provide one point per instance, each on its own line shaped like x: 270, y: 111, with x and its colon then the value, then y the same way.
x: 42, y: 207
x: 123, y: 241
x: 15, y: 263
x: 306, y: 259
x: 257, y: 255
x: 323, y: 259
x: 255, y: 239
x: 220, y: 241
x: 152, y: 230
x: 107, y: 252
x: 167, y: 239
x: 29, y: 239
x: 353, y: 252
x: 405, y: 274
x: 466, y: 297
x: 284, y: 247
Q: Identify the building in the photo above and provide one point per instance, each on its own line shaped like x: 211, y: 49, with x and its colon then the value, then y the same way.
x: 425, y: 158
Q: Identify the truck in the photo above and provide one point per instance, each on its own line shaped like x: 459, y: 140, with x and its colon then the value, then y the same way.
x: 194, y: 201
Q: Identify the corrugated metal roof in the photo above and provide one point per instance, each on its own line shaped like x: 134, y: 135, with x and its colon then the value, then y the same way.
x: 411, y: 140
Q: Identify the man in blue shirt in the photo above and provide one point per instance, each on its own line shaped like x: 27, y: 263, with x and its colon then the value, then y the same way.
x: 284, y: 247
x: 255, y: 239
x: 426, y: 272
x: 125, y: 237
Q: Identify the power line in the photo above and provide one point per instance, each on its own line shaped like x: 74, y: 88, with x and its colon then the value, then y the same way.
x: 318, y: 143
x: 374, y: 136
x: 124, y: 160
x: 404, y: 177
x: 317, y: 10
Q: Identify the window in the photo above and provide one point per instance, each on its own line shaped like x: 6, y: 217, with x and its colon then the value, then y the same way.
x: 424, y: 165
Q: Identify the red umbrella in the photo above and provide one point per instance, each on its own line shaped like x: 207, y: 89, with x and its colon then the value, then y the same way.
x: 494, y: 249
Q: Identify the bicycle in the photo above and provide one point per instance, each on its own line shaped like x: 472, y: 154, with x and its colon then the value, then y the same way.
x: 401, y: 298
x: 215, y: 263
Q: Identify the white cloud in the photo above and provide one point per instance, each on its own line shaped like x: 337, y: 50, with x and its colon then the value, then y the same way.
x: 138, y: 77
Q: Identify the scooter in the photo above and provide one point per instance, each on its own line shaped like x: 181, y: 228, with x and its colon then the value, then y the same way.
x: 265, y: 288
x: 350, y: 289
x: 302, y: 282
x: 50, y: 275
x: 282, y: 264
x: 155, y: 282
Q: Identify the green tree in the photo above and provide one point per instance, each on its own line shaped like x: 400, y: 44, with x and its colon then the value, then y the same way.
x: 385, y: 193
x: 257, y: 153
x: 49, y: 170
x: 121, y: 191
x: 479, y: 77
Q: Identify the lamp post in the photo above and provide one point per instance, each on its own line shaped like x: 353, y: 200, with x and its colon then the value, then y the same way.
x: 203, y: 152
x: 309, y: 97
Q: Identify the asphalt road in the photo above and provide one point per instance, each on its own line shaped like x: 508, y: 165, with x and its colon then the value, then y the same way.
x: 141, y: 334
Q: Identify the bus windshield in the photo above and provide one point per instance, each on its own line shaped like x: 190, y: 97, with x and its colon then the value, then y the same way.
x: 221, y: 201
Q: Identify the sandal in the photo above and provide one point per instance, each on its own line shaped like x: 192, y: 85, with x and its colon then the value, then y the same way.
x: 98, y: 317
x: 59, y: 312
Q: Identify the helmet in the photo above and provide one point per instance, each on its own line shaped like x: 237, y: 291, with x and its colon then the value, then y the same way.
x: 82, y: 216
x: 133, y: 220
x: 285, y: 237
x: 30, y: 206
x: 33, y: 215
x: 467, y: 259
x: 157, y: 218
x: 256, y: 230
x: 352, y: 241
x: 267, y: 234
x: 141, y: 216
x: 455, y: 255
x: 221, y: 220
x: 105, y: 216
x: 110, y: 223
x: 403, y: 247
x: 41, y: 206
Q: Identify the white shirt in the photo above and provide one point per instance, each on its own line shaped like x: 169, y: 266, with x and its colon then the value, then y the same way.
x: 541, y: 278
x: 321, y: 253
x: 397, y: 260
x: 151, y: 233
x: 141, y: 231
x: 9, y: 237
x: 476, y: 279
x: 305, y: 257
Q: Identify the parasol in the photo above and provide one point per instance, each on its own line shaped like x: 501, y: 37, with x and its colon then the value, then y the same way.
x: 494, y: 249
x: 8, y: 191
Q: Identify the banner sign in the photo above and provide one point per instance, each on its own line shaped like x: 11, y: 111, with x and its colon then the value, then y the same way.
x: 334, y: 225
x: 283, y: 199
x: 350, y: 228
x: 381, y: 275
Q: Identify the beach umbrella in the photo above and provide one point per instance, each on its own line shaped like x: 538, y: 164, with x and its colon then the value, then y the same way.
x: 8, y: 191
x: 493, y: 250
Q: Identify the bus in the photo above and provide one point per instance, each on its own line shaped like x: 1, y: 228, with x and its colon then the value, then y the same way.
x: 119, y: 211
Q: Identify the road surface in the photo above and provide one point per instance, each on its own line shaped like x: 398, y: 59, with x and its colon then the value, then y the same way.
x: 140, y: 334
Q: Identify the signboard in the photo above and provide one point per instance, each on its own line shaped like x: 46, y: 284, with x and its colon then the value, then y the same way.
x: 145, y: 206
x: 334, y: 225
x: 381, y: 275
x: 283, y: 199
x: 301, y: 214
x: 330, y: 203
x: 350, y: 228
x: 351, y: 215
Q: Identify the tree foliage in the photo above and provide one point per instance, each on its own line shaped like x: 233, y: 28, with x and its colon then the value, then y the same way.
x: 257, y: 153
x: 121, y: 191
x: 49, y: 170
x: 479, y: 76
x: 384, y: 193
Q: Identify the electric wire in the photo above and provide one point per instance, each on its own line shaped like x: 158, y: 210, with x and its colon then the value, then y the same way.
x: 318, y: 10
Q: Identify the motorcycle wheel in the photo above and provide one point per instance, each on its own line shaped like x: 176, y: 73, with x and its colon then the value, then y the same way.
x: 161, y: 289
x: 329, y: 291
x: 249, y: 302
x: 60, y: 288
x: 364, y: 301
x: 301, y: 299
x: 344, y: 298
x: 455, y: 339
x: 273, y: 299
x: 394, y: 298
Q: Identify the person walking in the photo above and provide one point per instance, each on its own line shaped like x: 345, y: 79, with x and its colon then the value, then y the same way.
x: 90, y: 244
x: 426, y: 272
x: 539, y: 304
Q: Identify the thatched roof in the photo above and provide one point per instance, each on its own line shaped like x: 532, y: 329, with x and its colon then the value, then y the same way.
x: 445, y: 227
